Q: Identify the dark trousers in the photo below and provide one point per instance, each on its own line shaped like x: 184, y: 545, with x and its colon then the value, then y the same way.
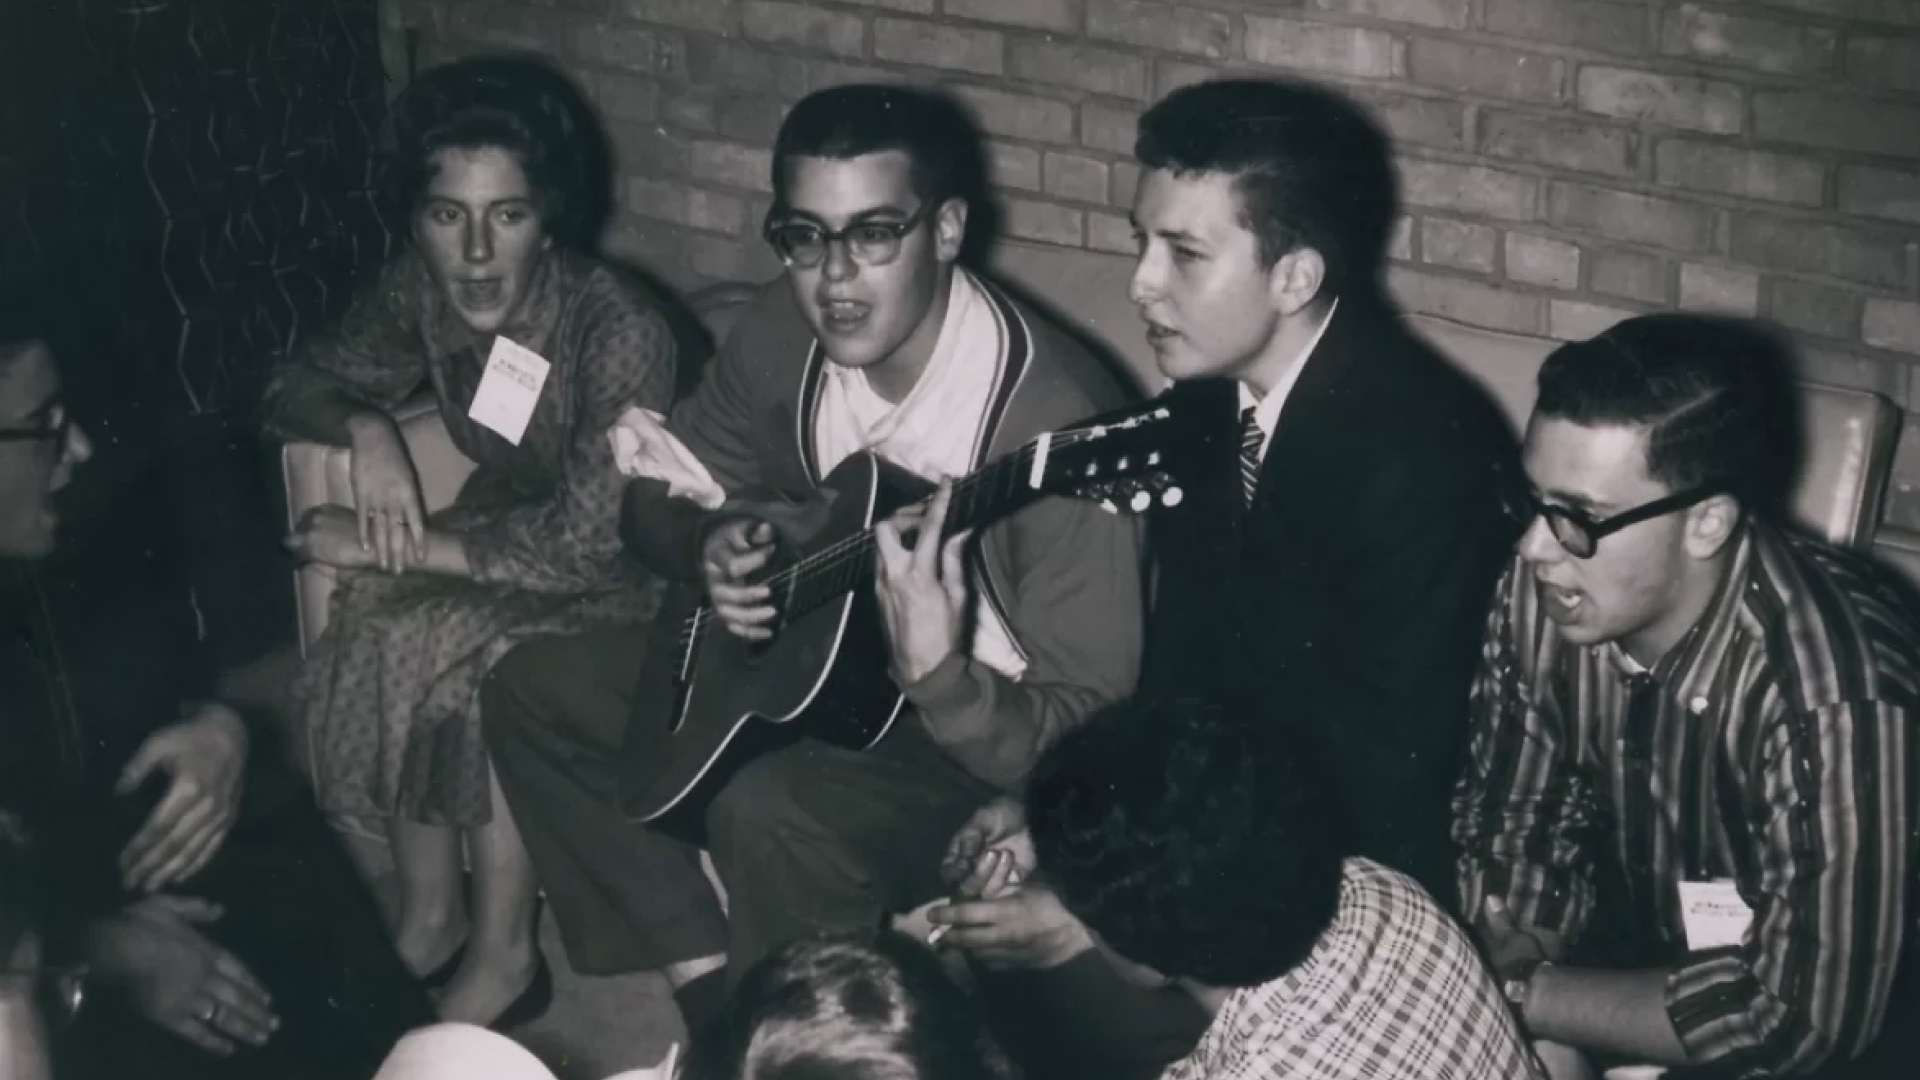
x: 299, y: 915
x: 808, y: 839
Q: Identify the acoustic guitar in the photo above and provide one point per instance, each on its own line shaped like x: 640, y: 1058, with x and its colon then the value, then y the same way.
x: 722, y: 700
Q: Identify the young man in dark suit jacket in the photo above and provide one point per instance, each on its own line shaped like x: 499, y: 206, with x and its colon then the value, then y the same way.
x: 1342, y: 529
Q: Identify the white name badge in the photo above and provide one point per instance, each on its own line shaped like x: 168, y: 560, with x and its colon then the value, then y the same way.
x: 1714, y: 914
x: 509, y: 389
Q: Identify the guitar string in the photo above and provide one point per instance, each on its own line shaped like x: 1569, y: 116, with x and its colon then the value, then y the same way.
x: 847, y: 550
x: 839, y: 554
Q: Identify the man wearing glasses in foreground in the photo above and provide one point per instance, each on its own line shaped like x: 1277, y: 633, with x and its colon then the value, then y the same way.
x: 875, y: 340
x: 1687, y: 818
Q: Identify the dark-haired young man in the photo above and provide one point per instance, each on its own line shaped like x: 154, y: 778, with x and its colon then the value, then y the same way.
x: 1344, y: 550
x: 1191, y: 841
x: 875, y: 339
x: 1343, y: 530
x: 222, y: 936
x: 1688, y: 814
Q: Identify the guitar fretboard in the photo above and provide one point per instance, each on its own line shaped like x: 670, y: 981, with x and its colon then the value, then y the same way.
x: 831, y: 573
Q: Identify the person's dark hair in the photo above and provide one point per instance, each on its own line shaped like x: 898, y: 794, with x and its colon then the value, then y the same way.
x: 844, y: 122
x: 1189, y: 838
x: 846, y: 1008
x: 22, y: 318
x: 1311, y: 169
x: 1713, y: 393
x: 518, y: 103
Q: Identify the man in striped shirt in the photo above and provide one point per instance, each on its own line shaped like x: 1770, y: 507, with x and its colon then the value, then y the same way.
x: 1687, y: 818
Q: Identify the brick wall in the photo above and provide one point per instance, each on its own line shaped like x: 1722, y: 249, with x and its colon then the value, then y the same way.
x: 1564, y: 162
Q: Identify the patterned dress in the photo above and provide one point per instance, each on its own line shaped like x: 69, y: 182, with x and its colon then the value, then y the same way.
x: 390, y: 692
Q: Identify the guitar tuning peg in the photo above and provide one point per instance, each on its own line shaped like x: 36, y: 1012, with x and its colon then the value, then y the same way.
x: 1172, y: 497
x: 1141, y: 502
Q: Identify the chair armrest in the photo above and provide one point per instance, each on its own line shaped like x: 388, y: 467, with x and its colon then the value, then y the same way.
x: 318, y: 475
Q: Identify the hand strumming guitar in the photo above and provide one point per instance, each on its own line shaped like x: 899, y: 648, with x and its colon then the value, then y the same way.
x: 732, y: 552
x: 922, y: 591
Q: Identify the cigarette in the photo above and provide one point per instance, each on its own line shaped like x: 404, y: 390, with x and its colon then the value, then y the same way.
x: 940, y: 931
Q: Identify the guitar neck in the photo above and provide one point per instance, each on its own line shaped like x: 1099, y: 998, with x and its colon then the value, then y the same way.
x: 978, y: 499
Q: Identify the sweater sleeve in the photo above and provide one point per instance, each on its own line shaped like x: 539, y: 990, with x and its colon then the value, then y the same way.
x: 1073, y: 600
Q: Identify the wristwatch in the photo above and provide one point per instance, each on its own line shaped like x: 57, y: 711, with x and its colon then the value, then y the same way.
x: 1518, y: 988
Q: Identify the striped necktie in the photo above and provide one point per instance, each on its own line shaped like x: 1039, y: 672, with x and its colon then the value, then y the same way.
x: 1251, y: 438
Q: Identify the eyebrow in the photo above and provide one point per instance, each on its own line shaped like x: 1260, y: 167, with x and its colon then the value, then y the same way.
x: 1176, y: 235
x: 788, y: 214
x: 496, y: 202
x: 44, y: 410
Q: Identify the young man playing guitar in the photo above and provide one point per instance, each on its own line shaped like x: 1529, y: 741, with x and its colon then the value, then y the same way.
x: 876, y: 342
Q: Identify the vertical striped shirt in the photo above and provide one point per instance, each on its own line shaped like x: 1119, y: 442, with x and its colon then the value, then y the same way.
x: 1774, y: 751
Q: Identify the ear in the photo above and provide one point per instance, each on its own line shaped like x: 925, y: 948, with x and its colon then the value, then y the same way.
x: 1295, y: 280
x: 950, y: 229
x: 1711, y: 525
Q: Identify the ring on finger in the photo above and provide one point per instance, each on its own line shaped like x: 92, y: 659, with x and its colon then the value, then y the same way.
x: 212, y: 1010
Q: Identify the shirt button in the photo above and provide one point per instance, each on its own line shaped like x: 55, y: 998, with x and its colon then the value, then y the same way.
x: 1698, y: 705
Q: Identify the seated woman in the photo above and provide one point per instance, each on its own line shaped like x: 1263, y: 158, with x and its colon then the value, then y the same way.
x: 532, y: 350
x: 842, y: 1009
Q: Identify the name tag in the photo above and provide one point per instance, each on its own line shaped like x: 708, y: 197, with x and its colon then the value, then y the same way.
x: 1714, y: 914
x: 509, y: 389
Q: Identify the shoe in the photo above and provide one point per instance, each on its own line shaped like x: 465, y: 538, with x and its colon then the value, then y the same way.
x: 442, y: 975
x: 532, y: 1003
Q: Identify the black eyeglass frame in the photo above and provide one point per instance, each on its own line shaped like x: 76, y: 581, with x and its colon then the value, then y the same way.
x: 55, y: 432
x: 1580, y: 533
x: 896, y: 231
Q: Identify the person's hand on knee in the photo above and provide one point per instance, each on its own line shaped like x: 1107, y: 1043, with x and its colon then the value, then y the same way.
x: 204, y: 758
x: 154, y: 953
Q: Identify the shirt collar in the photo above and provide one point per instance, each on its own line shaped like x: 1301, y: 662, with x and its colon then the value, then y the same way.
x: 1266, y: 410
x: 963, y: 297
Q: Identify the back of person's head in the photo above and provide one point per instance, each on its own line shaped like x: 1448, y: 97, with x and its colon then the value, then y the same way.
x: 1712, y: 393
x: 1310, y: 168
x: 848, y: 1009
x: 507, y: 101
x: 846, y: 122
x: 1189, y: 838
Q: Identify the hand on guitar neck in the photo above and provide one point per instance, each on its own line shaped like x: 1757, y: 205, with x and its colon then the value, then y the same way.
x: 923, y: 589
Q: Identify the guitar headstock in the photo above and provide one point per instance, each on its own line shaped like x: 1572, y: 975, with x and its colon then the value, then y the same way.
x: 1126, y: 460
